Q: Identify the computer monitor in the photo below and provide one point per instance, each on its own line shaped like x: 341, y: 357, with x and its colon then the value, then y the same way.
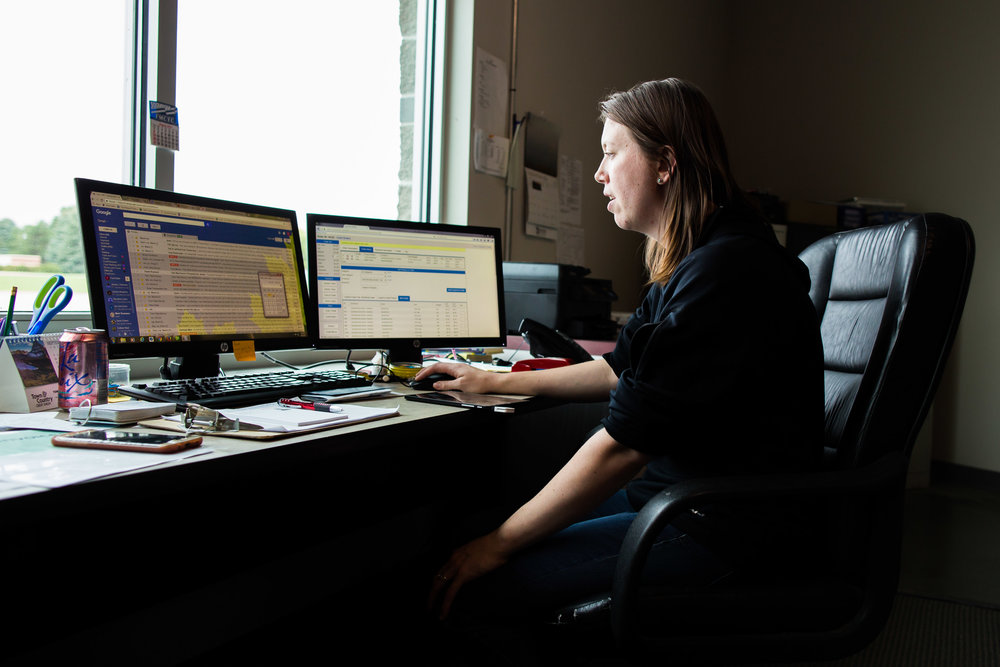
x: 174, y: 275
x: 404, y: 287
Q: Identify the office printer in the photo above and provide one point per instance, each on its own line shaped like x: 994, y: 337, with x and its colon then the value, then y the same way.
x: 559, y: 296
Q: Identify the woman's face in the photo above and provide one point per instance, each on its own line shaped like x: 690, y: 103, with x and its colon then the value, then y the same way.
x: 629, y: 179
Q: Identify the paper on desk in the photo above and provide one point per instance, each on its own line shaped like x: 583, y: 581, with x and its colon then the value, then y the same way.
x: 33, y: 460
x: 16, y: 442
x: 20, y: 442
x: 14, y: 489
x: 48, y: 421
x: 276, y: 419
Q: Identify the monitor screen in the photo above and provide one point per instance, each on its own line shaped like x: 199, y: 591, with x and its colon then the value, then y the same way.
x: 404, y: 286
x: 174, y: 275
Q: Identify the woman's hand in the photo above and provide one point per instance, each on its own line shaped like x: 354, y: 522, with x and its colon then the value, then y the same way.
x: 466, y: 378
x: 478, y: 557
x: 598, y: 469
x: 587, y: 381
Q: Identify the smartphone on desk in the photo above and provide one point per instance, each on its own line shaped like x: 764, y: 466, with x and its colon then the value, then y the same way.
x: 129, y: 441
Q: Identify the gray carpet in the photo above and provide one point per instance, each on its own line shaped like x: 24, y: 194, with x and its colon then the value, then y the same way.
x: 926, y: 632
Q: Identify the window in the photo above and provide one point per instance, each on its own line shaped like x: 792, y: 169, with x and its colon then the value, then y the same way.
x: 297, y: 106
x: 316, y: 105
x: 63, y: 116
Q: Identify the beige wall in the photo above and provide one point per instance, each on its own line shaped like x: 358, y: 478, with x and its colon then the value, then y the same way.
x: 895, y: 98
x: 570, y: 54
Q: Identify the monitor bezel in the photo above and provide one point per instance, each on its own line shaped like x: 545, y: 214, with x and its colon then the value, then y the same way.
x: 406, y: 348
x: 200, y: 347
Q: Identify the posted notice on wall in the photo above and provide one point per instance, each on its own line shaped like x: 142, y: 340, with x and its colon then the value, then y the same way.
x: 541, y: 204
x: 570, y: 246
x: 491, y: 146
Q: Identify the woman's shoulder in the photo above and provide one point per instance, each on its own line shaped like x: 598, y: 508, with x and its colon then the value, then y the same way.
x: 739, y: 240
x: 735, y: 226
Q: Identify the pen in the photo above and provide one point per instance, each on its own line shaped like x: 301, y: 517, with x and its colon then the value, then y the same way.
x: 322, y: 407
x: 10, y: 311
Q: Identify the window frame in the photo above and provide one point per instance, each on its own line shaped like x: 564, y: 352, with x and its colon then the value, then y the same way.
x: 152, y: 54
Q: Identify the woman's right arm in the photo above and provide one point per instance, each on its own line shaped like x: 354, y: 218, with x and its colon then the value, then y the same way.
x: 587, y: 381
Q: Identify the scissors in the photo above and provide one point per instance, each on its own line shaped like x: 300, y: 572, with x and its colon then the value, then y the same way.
x: 52, y: 298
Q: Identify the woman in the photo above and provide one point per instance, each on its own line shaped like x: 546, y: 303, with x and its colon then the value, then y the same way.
x: 718, y: 372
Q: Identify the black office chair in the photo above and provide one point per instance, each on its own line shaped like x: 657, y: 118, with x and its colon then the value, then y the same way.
x: 890, y: 299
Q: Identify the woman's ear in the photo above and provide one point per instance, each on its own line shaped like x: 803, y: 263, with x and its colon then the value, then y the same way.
x: 666, y: 164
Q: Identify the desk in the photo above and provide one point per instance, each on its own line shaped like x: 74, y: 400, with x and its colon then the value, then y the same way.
x: 159, y: 565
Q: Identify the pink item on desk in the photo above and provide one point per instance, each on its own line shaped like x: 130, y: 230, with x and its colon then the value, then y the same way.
x: 540, y: 363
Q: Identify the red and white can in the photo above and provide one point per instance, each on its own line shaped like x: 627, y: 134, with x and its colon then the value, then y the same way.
x: 83, y: 367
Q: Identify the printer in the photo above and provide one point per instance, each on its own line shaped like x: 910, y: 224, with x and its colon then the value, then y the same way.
x: 559, y: 296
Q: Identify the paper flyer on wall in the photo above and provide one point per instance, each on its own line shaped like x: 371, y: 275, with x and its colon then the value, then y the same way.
x: 490, y: 153
x: 569, y: 248
x: 491, y: 145
x: 542, y: 204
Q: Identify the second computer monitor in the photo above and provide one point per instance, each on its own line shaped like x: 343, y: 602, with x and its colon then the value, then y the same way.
x: 403, y: 286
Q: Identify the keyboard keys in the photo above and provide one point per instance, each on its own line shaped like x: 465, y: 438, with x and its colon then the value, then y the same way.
x: 236, y: 390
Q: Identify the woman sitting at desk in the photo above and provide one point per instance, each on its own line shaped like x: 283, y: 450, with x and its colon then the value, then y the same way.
x: 718, y: 372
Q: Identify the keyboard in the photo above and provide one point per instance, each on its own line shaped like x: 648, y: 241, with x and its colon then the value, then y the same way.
x: 237, y: 390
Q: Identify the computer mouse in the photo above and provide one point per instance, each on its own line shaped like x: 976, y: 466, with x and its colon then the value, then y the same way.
x: 428, y: 382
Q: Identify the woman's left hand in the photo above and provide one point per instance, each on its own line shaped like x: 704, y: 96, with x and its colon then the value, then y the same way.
x: 469, y: 562
x: 599, y: 468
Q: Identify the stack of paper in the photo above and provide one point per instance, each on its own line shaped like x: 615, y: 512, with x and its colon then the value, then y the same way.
x: 274, y: 417
x: 258, y: 420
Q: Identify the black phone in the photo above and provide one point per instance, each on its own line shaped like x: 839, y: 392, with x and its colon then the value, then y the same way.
x: 544, y: 341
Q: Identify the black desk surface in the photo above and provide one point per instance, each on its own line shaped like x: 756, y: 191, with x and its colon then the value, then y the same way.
x: 213, y: 546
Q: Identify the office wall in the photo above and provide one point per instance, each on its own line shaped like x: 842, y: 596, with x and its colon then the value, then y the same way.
x: 821, y: 100
x: 897, y: 99
x: 570, y: 54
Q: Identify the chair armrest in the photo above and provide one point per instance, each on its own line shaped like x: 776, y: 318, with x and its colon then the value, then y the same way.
x: 888, y: 472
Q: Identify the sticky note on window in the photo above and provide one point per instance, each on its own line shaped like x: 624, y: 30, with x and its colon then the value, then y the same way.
x: 244, y: 350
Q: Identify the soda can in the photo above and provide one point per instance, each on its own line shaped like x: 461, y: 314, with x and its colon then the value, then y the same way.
x: 83, y: 367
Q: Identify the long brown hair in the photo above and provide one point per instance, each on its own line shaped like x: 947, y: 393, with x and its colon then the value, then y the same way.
x: 672, y: 118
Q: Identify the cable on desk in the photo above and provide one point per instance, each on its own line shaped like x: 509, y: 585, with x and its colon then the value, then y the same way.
x: 514, y: 351
x: 279, y: 361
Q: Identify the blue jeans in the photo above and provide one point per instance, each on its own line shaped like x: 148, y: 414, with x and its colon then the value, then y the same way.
x: 579, y: 562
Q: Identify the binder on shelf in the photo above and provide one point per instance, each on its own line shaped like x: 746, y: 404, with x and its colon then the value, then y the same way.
x: 29, y: 373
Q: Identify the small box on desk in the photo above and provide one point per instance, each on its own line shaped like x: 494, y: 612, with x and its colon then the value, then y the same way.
x: 29, y: 373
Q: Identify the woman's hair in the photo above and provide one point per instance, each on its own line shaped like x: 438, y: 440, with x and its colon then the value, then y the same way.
x: 672, y: 119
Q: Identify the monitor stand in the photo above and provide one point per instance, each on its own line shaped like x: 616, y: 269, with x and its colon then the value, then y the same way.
x: 401, y: 354
x: 191, y: 366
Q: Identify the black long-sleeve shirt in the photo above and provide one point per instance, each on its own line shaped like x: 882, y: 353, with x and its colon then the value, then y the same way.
x: 720, y: 370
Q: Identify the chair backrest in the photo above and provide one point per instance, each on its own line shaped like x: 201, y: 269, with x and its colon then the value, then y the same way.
x: 889, y: 299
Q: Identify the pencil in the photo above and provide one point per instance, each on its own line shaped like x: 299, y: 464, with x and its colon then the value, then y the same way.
x: 10, y: 311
